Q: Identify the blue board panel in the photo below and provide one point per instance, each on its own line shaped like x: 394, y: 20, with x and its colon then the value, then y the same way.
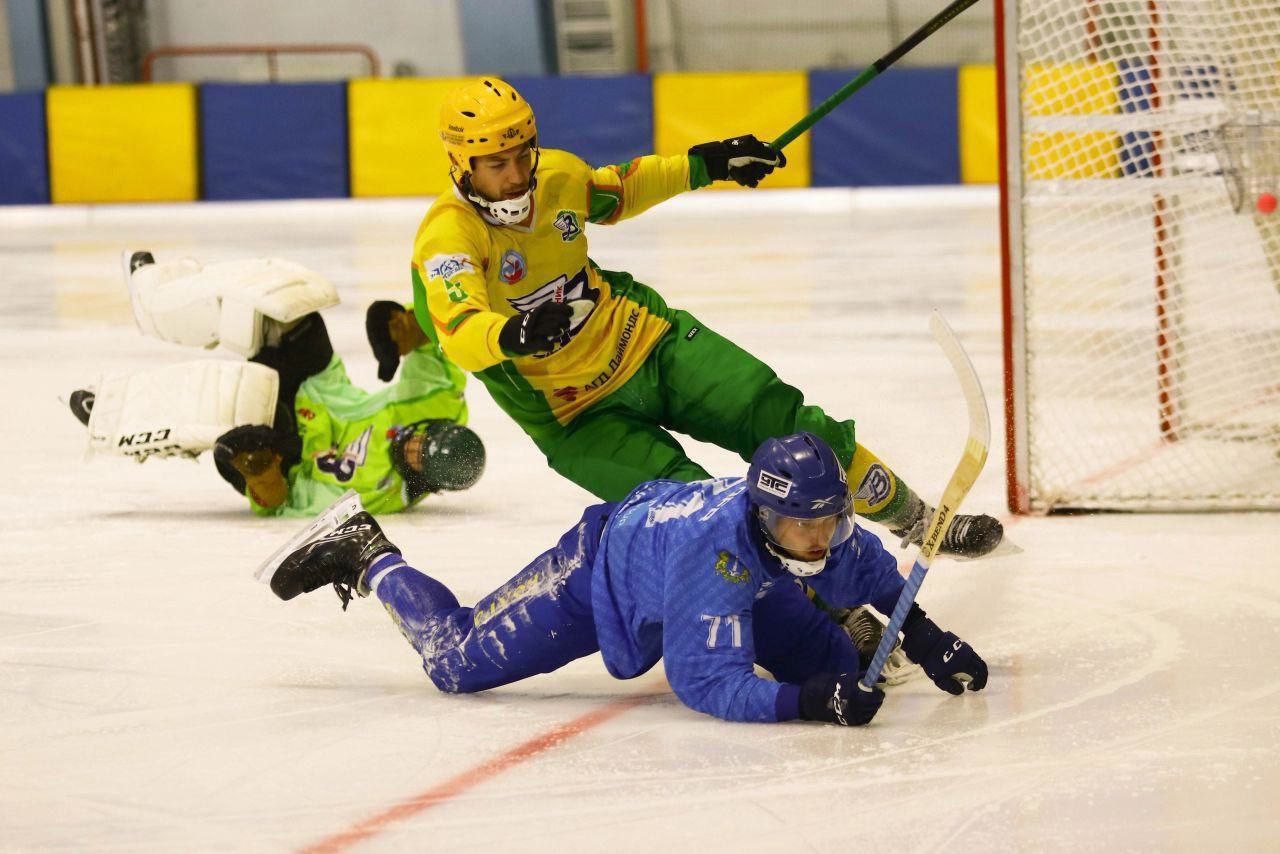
x: 601, y: 119
x: 902, y: 128
x: 24, y: 150
x: 273, y: 141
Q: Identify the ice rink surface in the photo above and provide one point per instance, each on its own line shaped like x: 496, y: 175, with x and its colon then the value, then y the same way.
x: 154, y: 697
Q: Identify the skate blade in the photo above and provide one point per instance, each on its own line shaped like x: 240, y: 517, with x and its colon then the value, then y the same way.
x: 331, y: 517
x: 1007, y: 548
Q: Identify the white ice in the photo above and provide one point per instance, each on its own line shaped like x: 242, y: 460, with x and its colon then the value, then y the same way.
x: 154, y: 697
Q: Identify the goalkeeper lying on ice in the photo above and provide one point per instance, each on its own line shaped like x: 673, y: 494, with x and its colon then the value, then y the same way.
x: 288, y: 429
x: 704, y: 576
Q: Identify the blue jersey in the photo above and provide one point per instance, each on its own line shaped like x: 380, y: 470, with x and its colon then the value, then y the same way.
x: 678, y: 573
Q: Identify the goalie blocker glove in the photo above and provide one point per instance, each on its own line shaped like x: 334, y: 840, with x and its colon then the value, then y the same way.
x: 743, y: 159
x: 539, y: 330
x: 839, y: 700
x: 948, y: 661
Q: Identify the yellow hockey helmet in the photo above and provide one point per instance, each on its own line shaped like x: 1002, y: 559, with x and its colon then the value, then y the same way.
x: 484, y: 117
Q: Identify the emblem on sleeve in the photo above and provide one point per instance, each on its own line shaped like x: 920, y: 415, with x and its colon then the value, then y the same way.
x: 448, y: 266
x: 567, y: 222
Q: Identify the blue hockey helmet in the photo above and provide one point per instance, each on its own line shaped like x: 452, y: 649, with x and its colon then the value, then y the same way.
x: 802, y: 500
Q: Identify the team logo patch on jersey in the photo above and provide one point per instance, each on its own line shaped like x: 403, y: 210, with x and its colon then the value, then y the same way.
x: 567, y: 222
x: 343, y: 466
x: 728, y: 568
x: 448, y: 266
x: 560, y: 289
x: 875, y: 487
x: 513, y: 267
x: 773, y: 484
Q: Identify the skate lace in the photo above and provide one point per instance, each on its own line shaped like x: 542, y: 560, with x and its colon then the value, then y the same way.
x: 915, y: 534
x: 864, y: 629
x: 345, y: 592
x: 956, y: 533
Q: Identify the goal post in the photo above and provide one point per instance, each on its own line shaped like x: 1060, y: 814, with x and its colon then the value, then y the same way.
x: 1139, y: 167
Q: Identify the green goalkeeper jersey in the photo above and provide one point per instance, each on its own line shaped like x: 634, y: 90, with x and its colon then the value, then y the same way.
x: 346, y: 433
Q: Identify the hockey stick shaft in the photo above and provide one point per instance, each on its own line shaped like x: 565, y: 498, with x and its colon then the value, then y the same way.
x: 932, y: 26
x: 962, y: 480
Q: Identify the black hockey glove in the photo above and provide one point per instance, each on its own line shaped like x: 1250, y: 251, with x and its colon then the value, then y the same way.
x: 948, y: 661
x: 538, y: 330
x: 744, y: 159
x: 838, y: 700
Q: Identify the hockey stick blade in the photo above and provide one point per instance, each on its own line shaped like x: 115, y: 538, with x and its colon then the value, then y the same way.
x: 331, y: 517
x: 962, y: 480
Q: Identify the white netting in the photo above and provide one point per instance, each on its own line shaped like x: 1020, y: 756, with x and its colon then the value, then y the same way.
x: 1151, y: 306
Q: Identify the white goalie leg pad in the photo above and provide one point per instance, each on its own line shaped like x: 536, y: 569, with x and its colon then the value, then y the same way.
x: 174, y: 303
x: 179, y: 410
x: 263, y: 289
x: 229, y: 302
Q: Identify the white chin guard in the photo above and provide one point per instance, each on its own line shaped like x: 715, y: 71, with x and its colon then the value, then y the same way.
x: 507, y: 211
x: 800, y: 568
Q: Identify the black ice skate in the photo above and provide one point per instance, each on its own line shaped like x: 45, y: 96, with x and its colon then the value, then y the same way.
x: 968, y: 536
x: 81, y: 404
x: 334, y: 549
x: 865, y: 630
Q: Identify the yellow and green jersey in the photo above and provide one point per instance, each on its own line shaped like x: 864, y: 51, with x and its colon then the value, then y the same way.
x: 471, y: 274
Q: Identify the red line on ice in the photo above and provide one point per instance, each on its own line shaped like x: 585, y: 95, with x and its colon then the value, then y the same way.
x: 470, y: 778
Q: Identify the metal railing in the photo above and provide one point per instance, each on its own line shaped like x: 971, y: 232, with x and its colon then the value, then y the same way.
x: 269, y: 51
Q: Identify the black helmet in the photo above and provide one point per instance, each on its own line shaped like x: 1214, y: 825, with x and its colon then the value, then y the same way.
x: 450, y: 457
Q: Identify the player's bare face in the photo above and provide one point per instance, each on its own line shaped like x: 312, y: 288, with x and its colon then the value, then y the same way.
x: 503, y: 176
x: 806, y: 539
x: 413, y: 452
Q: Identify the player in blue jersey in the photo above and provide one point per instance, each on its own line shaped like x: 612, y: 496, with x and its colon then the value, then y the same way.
x: 704, y: 575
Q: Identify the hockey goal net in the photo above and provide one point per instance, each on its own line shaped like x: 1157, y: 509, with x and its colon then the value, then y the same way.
x: 1140, y: 161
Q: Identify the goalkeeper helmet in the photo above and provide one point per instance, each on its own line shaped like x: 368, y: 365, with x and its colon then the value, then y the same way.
x: 437, y: 455
x: 801, y: 499
x: 487, y: 116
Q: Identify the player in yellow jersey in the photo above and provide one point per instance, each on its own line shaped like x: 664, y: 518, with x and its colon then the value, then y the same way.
x: 593, y: 365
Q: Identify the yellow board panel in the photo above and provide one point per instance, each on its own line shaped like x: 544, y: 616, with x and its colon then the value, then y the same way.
x: 702, y: 107
x: 123, y: 143
x: 1071, y: 89
x: 395, y: 136
x: 979, y: 133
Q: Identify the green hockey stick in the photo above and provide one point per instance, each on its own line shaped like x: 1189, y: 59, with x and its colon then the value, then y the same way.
x: 934, y: 24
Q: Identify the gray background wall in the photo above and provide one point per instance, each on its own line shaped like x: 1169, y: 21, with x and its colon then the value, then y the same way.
x: 455, y: 37
x: 422, y: 37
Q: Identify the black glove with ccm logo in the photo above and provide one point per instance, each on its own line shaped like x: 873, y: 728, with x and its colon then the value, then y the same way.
x: 948, y: 661
x: 539, y: 330
x: 744, y: 159
x: 838, y: 699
